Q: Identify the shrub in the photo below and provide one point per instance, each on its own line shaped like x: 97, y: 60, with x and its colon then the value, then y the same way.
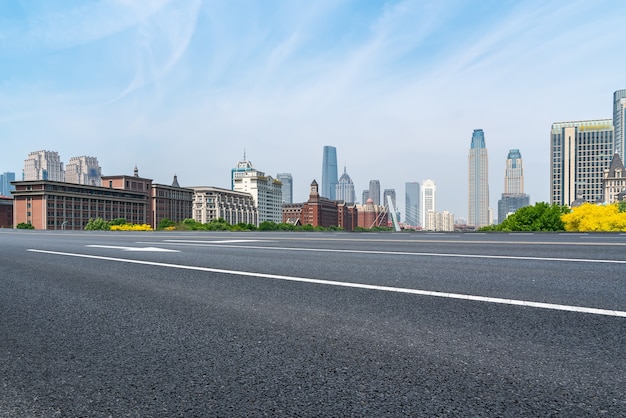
x: 24, y: 225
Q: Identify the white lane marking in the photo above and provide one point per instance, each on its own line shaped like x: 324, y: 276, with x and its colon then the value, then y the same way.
x: 135, y: 249
x: 542, y: 305
x: 498, y: 257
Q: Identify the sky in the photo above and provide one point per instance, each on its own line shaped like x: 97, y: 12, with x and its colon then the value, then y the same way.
x: 187, y: 87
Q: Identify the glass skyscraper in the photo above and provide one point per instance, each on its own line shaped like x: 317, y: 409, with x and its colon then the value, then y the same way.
x: 329, y: 172
x: 412, y: 204
x: 5, y: 183
x: 287, y: 186
x: 619, y: 122
x: 478, y: 181
x: 375, y: 191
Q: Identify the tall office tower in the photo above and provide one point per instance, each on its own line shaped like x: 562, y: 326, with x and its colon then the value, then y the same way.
x: 329, y: 172
x: 412, y: 204
x: 478, y: 181
x: 287, y: 186
x: 5, y: 183
x: 429, y: 198
x: 44, y: 165
x: 375, y: 192
x: 266, y: 191
x: 365, y: 196
x: 513, y: 197
x: 391, y: 193
x: 579, y: 153
x: 345, y: 189
x: 619, y: 122
x: 83, y: 170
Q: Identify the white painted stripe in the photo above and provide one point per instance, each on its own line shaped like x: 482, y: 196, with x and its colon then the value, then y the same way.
x: 498, y: 257
x: 486, y: 299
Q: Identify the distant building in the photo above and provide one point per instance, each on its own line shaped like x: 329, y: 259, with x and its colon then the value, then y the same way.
x: 212, y: 203
x: 614, y: 181
x: 44, y: 165
x: 286, y: 187
x: 580, y: 151
x: 6, y: 212
x: 478, y: 181
x: 412, y: 204
x: 321, y: 211
x: 513, y: 197
x: 439, y: 221
x: 619, y: 121
x: 329, y: 172
x: 345, y: 189
x: 83, y: 170
x: 365, y: 195
x: 370, y: 215
x: 374, y: 192
x: 429, y: 199
x: 266, y: 191
x: 5, y: 183
x: 171, y: 202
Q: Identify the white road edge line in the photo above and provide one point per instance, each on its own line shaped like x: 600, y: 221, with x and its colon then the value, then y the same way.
x: 541, y: 305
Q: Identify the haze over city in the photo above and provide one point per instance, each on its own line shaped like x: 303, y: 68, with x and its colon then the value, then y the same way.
x: 397, y: 87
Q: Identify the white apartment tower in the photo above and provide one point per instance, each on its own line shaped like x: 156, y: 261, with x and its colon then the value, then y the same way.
x: 429, y: 199
x: 44, y: 165
x: 266, y: 191
x: 83, y: 170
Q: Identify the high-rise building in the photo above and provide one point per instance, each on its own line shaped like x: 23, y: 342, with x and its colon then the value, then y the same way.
x: 391, y: 193
x: 266, y: 191
x: 429, y: 199
x: 478, y: 181
x: 44, y: 165
x: 5, y: 183
x: 580, y: 151
x: 412, y: 204
x: 83, y: 170
x: 345, y: 189
x: 619, y: 122
x: 365, y: 196
x: 513, y: 197
x: 287, y: 186
x: 375, y: 192
x: 329, y: 172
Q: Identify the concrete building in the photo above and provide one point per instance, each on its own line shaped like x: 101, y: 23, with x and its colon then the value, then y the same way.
x: 478, y: 181
x: 439, y: 221
x: 365, y: 195
x: 83, y: 170
x: 44, y: 165
x: 265, y: 190
x: 5, y: 183
x: 374, y: 192
x: 513, y: 197
x: 345, y: 189
x: 6, y: 212
x: 329, y: 172
x: 580, y: 151
x: 619, y: 122
x: 429, y: 199
x: 212, y: 203
x: 286, y: 187
x: 412, y: 204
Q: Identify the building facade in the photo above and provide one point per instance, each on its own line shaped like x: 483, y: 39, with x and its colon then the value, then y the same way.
x: 478, y: 181
x: 5, y: 183
x: 265, y: 190
x: 374, y: 192
x: 329, y: 172
x: 345, y: 189
x: 619, y: 122
x: 44, y: 165
x: 614, y: 180
x: 321, y: 211
x: 580, y: 151
x: 412, y: 204
x: 286, y: 187
x: 429, y: 199
x: 439, y: 221
x: 6, y: 212
x: 370, y: 215
x: 171, y: 202
x: 513, y: 197
x: 83, y: 170
x: 212, y: 203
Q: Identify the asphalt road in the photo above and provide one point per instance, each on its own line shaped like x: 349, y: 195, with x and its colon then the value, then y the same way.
x: 312, y: 324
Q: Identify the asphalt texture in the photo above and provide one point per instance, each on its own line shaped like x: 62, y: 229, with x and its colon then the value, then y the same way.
x: 104, y: 337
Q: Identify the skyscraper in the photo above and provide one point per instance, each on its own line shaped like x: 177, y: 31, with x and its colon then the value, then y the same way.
x: 329, y: 172
x: 345, y: 188
x: 365, y: 196
x: 429, y: 199
x: 619, y: 121
x: 412, y: 204
x: 83, y: 170
x: 375, y: 192
x: 5, y: 183
x: 391, y: 193
x: 478, y: 181
x: 580, y: 151
x: 513, y: 197
x: 44, y: 165
x: 287, y: 186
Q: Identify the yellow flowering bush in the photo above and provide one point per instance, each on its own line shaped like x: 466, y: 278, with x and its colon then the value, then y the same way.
x: 131, y: 227
x: 589, y: 217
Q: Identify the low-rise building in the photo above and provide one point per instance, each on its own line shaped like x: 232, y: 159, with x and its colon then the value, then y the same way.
x: 212, y: 203
x: 6, y: 212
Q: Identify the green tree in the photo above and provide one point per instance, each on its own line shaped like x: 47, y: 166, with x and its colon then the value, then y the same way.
x: 166, y: 223
x: 24, y: 225
x: 539, y: 217
x: 97, y: 224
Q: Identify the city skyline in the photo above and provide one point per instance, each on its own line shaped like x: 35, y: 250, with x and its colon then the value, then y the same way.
x: 395, y: 86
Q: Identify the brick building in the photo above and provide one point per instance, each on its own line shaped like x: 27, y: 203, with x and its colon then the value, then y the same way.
x: 6, y: 212
x: 320, y: 211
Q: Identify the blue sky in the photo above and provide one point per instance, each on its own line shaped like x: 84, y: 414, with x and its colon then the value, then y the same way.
x: 183, y: 87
